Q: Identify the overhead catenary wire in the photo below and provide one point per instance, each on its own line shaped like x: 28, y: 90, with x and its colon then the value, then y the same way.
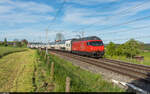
x: 132, y: 21
x: 110, y: 26
x: 52, y: 22
x: 57, y: 13
x: 136, y: 6
x: 135, y: 28
x: 88, y: 26
x: 139, y: 37
x: 124, y: 23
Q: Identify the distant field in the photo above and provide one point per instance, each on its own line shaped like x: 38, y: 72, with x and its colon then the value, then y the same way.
x: 146, y: 58
x: 123, y: 58
x: 145, y: 54
x: 147, y: 47
x: 7, y: 50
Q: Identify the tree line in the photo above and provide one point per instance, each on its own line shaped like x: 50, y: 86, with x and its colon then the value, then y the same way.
x: 129, y: 49
x: 16, y: 43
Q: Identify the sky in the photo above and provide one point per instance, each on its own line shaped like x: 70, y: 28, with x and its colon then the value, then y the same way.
x: 111, y: 20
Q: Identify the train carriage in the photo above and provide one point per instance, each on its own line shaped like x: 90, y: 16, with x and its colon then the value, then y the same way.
x: 68, y: 45
x: 62, y: 45
x: 51, y: 45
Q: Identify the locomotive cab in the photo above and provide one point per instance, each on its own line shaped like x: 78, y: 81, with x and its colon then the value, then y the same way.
x: 96, y: 47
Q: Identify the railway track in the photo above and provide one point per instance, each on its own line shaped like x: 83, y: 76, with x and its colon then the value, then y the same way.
x: 131, y: 70
x: 136, y: 66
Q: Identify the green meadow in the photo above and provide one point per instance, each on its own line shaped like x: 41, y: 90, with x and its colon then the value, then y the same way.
x: 8, y: 50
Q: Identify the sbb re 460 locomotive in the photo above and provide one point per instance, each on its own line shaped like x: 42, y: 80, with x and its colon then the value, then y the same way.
x: 88, y: 46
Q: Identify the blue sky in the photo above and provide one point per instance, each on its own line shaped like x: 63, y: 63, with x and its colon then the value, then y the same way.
x: 30, y: 18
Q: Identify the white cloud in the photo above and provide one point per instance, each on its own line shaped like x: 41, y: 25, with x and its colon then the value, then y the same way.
x: 129, y: 9
x: 118, y: 15
x: 82, y: 16
x: 5, y: 9
x: 27, y: 6
x: 14, y: 12
x: 28, y: 33
x: 19, y: 12
x: 23, y: 18
x: 123, y: 12
x: 91, y: 2
x: 33, y: 7
x: 5, y: 1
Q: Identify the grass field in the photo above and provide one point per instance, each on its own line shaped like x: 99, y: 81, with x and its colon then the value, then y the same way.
x: 146, y: 47
x: 123, y: 58
x: 16, y: 72
x: 81, y: 80
x: 21, y: 72
x: 8, y: 50
x: 146, y: 58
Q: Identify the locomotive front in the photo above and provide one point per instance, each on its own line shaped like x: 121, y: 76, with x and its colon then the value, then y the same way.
x: 96, y: 48
x: 88, y: 46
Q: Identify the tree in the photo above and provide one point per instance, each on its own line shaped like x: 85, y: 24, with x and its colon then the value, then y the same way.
x: 111, y: 48
x: 17, y: 43
x: 141, y: 45
x: 1, y: 43
x: 24, y: 42
x: 5, y: 42
x: 120, y: 50
x: 131, y: 48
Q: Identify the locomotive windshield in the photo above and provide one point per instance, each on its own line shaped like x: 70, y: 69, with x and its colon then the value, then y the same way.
x: 95, y: 43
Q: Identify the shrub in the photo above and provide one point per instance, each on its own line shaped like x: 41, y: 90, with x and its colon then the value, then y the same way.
x: 129, y: 49
x: 111, y: 49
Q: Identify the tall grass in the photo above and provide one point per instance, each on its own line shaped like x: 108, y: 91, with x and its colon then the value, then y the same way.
x: 81, y: 80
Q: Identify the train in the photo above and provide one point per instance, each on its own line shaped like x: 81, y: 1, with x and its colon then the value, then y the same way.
x: 91, y: 46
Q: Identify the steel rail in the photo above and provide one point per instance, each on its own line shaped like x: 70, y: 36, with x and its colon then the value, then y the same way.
x: 118, y: 69
x: 137, y: 66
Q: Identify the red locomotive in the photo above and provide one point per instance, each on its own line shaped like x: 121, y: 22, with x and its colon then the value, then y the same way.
x: 88, y: 46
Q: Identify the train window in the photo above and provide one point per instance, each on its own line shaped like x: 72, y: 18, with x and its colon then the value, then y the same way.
x: 95, y: 43
x: 88, y: 43
x: 68, y: 45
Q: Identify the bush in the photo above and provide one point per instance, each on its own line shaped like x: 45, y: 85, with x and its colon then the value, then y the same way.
x: 120, y: 50
x: 111, y: 49
x: 129, y: 49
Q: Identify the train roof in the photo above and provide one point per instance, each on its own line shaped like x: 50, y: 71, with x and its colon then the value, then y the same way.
x: 76, y: 39
x: 87, y: 38
x: 37, y: 43
x: 59, y: 42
